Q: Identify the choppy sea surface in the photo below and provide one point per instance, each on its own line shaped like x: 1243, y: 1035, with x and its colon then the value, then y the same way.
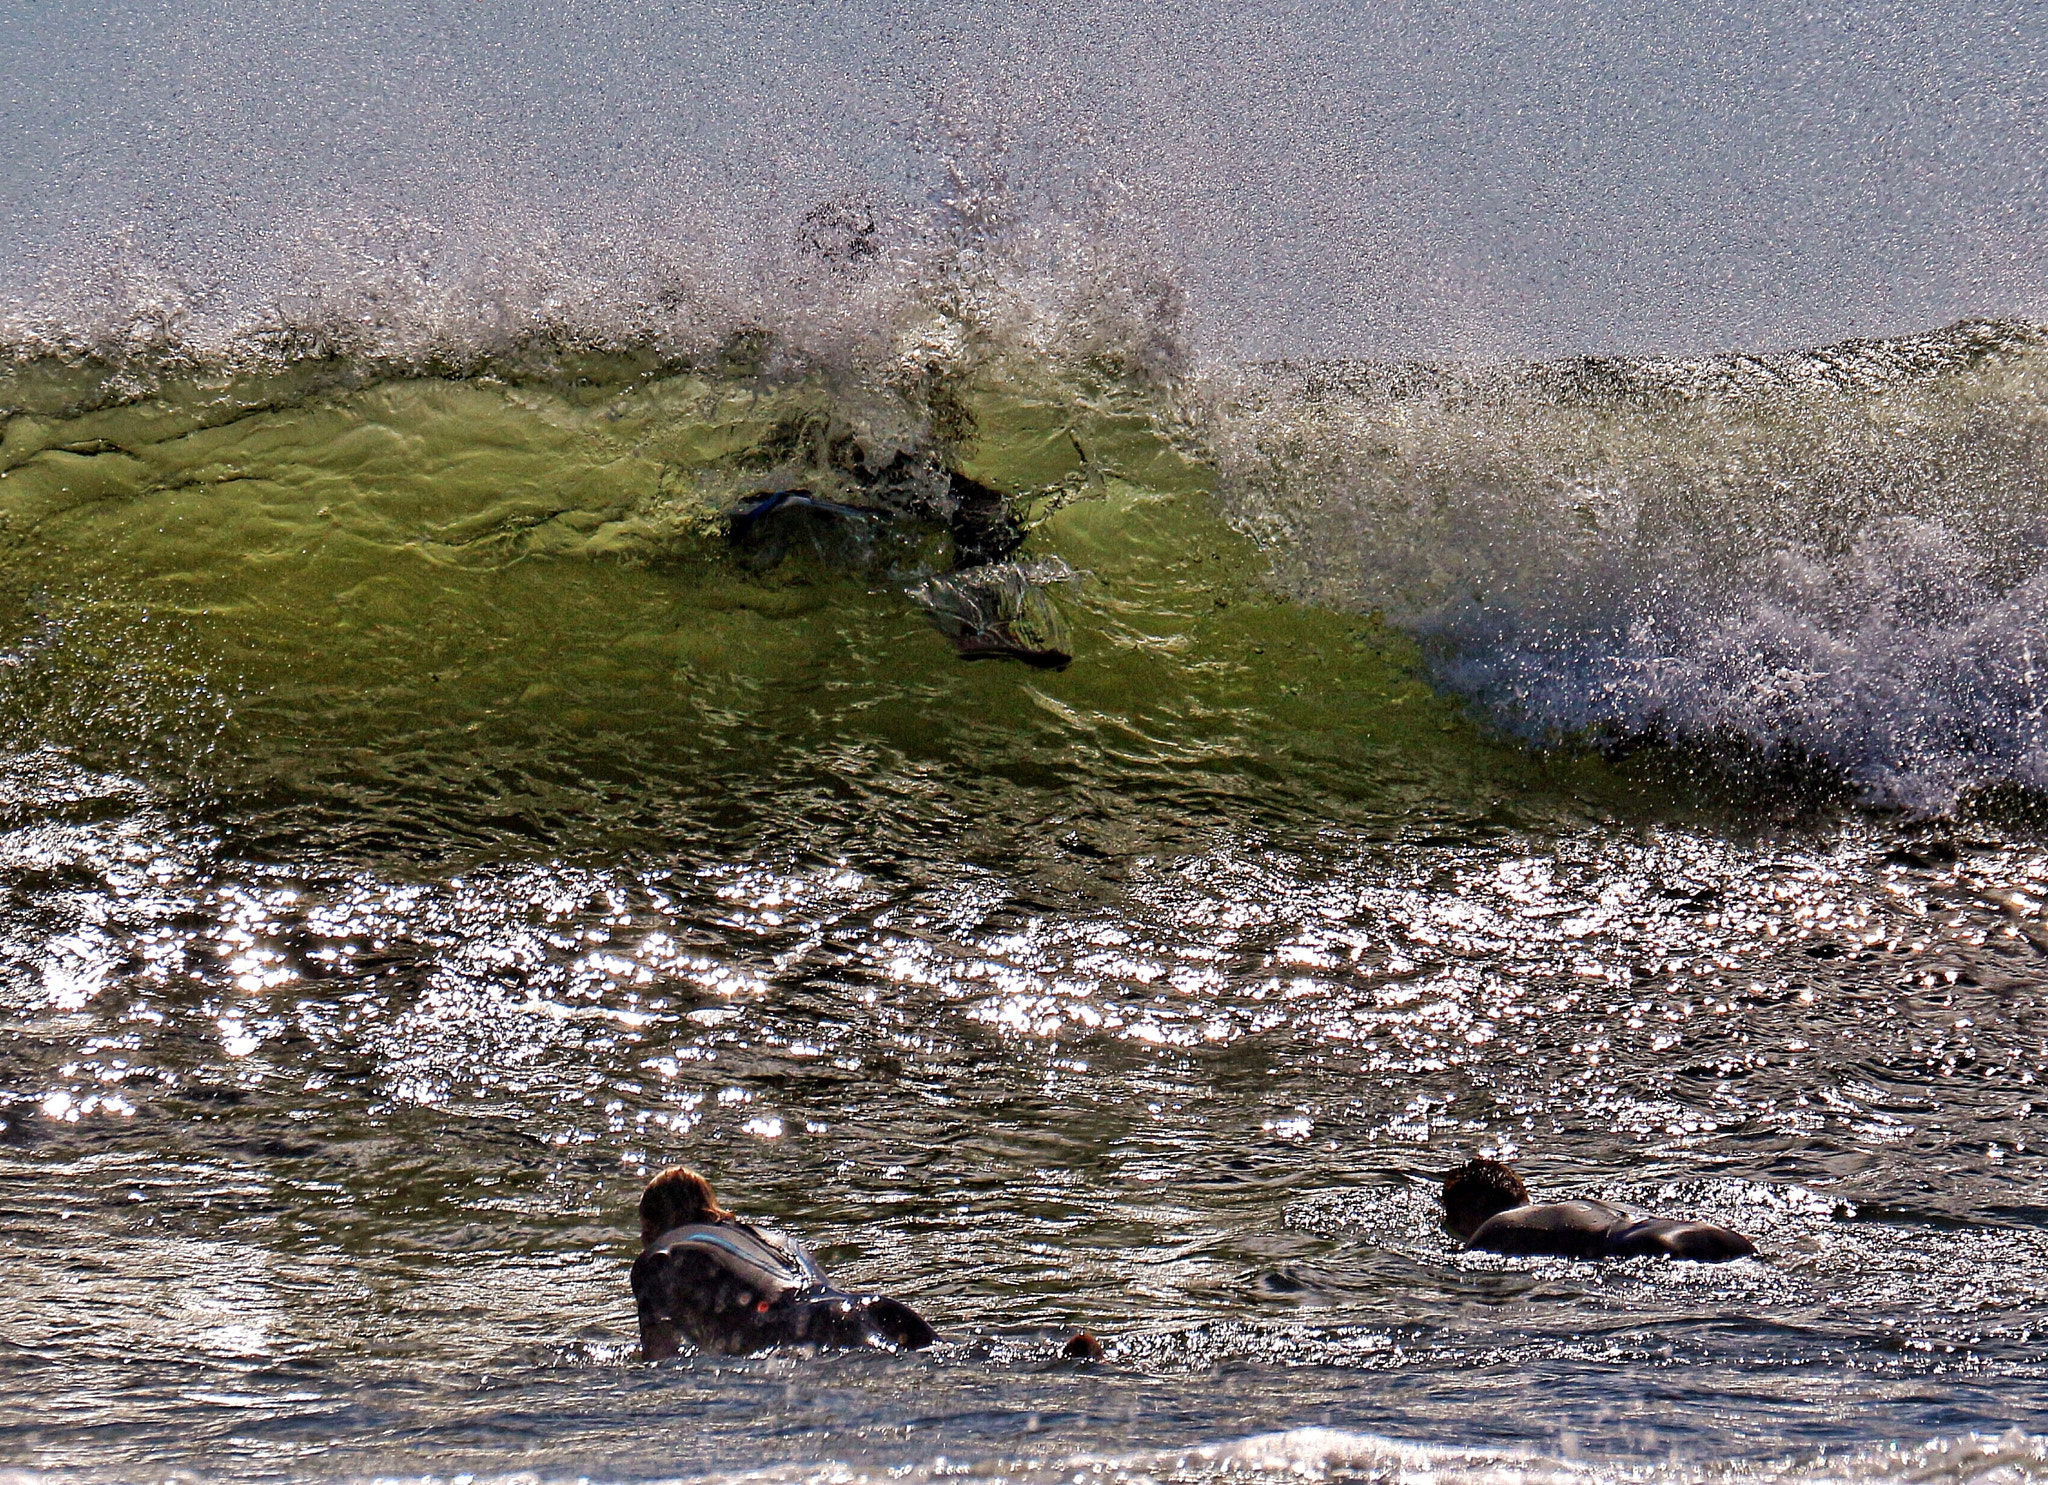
x: 421, y: 820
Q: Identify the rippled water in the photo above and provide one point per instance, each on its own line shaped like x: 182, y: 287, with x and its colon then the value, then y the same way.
x: 328, y: 1168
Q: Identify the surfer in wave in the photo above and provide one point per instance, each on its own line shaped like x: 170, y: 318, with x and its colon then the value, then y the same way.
x: 1487, y: 1207
x: 729, y: 1287
x: 985, y: 606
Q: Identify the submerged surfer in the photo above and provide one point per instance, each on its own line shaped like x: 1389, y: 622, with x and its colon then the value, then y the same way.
x: 907, y: 489
x: 728, y: 1287
x: 971, y: 612
x: 1486, y: 1206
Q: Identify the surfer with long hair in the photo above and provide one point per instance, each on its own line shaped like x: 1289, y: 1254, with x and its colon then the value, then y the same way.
x: 729, y: 1287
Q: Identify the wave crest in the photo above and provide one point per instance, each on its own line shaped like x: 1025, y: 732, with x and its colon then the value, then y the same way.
x: 885, y: 298
x: 1841, y: 554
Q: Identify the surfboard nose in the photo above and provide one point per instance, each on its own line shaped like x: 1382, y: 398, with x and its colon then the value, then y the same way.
x: 893, y: 1323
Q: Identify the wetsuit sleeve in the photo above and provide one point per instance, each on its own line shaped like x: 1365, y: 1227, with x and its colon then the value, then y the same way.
x: 805, y: 1272
x: 813, y: 1270
x: 660, y: 1336
x: 1697, y: 1242
x: 1560, y: 1229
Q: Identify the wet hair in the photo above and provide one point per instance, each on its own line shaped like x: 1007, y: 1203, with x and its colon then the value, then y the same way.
x: 1479, y: 1189
x: 676, y: 1198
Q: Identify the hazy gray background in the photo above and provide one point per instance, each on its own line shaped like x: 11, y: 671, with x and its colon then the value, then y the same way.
x: 1387, y: 179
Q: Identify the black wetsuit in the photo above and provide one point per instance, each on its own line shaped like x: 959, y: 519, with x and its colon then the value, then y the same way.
x: 972, y: 607
x: 730, y: 1288
x: 1599, y: 1229
x: 976, y: 515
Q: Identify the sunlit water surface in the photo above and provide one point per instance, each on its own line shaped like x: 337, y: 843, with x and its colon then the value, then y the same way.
x: 329, y: 1169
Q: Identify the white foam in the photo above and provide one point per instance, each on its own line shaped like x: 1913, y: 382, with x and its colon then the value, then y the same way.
x: 1842, y: 555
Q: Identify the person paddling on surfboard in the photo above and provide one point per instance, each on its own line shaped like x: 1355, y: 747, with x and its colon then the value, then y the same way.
x: 1486, y: 1206
x: 729, y: 1287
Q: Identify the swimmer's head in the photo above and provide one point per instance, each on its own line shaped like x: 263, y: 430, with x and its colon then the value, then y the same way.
x: 676, y: 1198
x: 1476, y: 1190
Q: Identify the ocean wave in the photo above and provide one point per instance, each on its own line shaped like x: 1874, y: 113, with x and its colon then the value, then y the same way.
x: 1839, y: 556
x: 884, y: 296
x: 1836, y: 559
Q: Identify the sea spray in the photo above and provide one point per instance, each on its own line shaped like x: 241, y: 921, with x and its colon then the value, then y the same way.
x: 1838, y: 554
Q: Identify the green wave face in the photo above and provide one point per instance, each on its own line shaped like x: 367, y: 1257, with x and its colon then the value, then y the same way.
x: 480, y: 615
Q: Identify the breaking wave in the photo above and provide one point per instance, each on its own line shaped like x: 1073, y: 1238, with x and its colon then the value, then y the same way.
x: 1837, y: 558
